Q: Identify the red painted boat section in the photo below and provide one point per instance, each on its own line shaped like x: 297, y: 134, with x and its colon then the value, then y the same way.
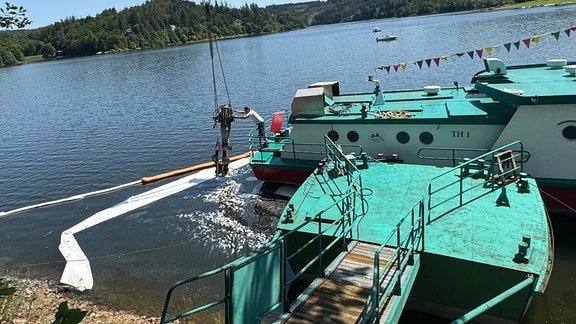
x: 559, y: 200
x: 280, y: 175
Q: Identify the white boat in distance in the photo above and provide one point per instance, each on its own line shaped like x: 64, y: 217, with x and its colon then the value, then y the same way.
x: 386, y: 38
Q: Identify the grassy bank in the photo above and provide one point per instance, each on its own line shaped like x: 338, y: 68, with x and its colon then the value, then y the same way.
x: 536, y: 3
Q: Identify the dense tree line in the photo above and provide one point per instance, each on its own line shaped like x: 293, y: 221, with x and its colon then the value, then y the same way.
x: 340, y: 11
x: 351, y: 10
x: 160, y: 23
x: 156, y: 23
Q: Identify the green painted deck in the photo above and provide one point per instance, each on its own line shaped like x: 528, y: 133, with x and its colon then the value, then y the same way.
x: 540, y: 80
x: 450, y: 102
x: 481, y: 231
x: 444, y: 240
x: 474, y: 224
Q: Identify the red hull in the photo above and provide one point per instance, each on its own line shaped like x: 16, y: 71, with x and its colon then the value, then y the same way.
x: 280, y: 175
x: 559, y: 200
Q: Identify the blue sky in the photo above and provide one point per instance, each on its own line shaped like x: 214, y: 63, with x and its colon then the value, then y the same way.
x: 46, y: 12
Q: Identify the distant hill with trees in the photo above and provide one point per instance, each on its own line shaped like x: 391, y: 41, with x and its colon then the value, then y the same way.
x: 159, y: 23
x: 156, y: 23
x: 341, y: 11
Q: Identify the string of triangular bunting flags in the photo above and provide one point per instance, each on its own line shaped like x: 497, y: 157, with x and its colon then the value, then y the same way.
x: 478, y: 52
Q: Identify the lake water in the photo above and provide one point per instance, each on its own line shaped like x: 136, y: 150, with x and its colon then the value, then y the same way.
x: 74, y: 126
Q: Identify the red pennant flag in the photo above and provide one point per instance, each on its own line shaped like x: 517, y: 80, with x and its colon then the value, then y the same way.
x: 396, y: 67
x: 526, y: 42
x: 437, y: 61
x: 479, y: 52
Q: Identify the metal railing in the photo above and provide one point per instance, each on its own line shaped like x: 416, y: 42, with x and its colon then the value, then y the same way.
x: 313, y: 151
x: 489, y: 167
x: 406, y: 245
x: 457, y: 155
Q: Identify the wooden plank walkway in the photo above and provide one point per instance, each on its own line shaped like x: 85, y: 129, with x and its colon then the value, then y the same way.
x: 341, y: 296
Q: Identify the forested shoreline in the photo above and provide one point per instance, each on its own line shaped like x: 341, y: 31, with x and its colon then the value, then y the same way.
x: 159, y: 23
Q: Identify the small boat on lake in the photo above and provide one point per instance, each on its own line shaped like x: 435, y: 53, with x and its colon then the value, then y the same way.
x: 437, y: 126
x: 361, y: 240
x: 386, y: 38
x: 376, y: 30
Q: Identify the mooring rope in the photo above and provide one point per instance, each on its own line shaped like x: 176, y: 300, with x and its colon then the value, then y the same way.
x: 394, y: 114
x: 558, y: 201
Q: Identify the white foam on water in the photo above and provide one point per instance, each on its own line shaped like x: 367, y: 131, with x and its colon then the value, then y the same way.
x: 228, y: 229
x: 77, y: 271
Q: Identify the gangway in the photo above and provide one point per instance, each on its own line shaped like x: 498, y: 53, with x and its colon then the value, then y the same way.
x: 341, y: 296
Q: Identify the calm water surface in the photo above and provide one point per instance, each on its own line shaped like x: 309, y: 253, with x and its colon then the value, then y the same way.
x: 78, y: 125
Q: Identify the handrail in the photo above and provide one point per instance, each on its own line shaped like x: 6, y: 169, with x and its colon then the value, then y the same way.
x: 340, y: 227
x: 403, y: 256
x: 495, y: 300
x: 484, y: 166
x: 293, y: 148
x: 454, y: 157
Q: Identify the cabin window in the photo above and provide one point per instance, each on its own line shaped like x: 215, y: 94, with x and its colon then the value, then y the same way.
x: 403, y: 137
x: 352, y: 136
x: 426, y: 138
x: 333, y: 135
x: 569, y: 132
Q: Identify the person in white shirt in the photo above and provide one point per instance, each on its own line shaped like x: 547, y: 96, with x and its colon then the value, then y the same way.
x: 258, y: 120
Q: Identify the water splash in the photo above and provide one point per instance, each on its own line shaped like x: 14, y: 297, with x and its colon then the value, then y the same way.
x: 233, y: 228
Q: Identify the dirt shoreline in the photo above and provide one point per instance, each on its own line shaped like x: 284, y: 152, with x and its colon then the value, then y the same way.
x: 37, y: 301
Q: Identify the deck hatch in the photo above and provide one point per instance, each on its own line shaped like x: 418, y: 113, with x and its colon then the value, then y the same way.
x: 463, y: 108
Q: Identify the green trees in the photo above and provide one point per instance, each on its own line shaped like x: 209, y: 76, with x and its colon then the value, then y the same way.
x: 337, y: 11
x: 156, y: 23
x: 13, y: 16
x: 160, y: 23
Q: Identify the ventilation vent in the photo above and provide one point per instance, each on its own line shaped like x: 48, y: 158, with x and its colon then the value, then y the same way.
x: 432, y: 90
x: 495, y: 66
x: 556, y: 63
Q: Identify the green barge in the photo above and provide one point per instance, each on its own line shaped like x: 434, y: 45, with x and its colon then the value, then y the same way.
x: 362, y: 240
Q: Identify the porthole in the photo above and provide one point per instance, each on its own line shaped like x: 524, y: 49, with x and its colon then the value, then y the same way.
x: 333, y: 135
x: 426, y: 138
x: 569, y: 132
x: 403, y: 137
x: 352, y: 136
